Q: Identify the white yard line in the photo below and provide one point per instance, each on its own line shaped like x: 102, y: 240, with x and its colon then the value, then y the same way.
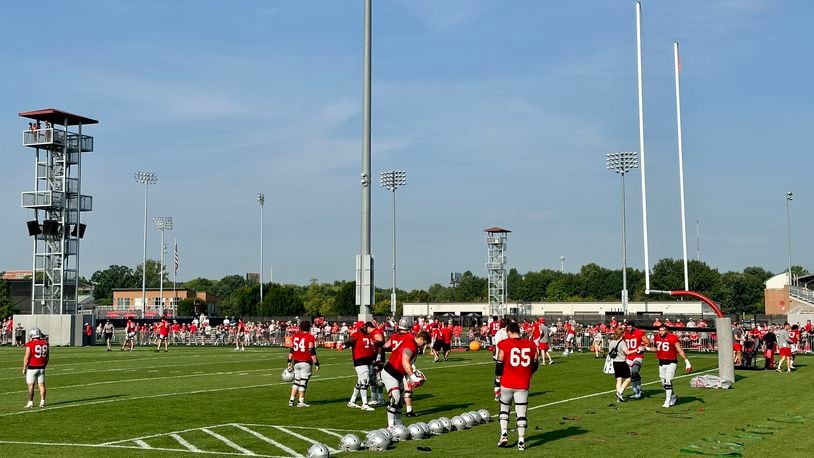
x: 301, y: 437
x: 174, y: 450
x: 213, y: 390
x: 563, y: 401
x: 329, y: 432
x: 162, y: 434
x: 268, y: 440
x: 228, y: 442
x: 141, y: 444
x: 305, y: 427
x: 183, y: 442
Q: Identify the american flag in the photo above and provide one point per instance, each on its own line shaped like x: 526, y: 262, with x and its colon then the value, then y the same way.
x: 177, y: 257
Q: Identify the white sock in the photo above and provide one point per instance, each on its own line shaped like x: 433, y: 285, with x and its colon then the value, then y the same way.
x: 353, y: 396
x: 364, y: 397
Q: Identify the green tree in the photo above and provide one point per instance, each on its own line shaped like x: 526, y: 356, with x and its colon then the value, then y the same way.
x: 243, y: 302
x: 188, y: 307
x: 564, y: 288
x: 319, y: 298
x: 227, y: 285
x: 201, y: 284
x: 439, y: 293
x: 471, y: 288
x: 153, y: 267
x: 6, y: 305
x: 115, y: 276
x: 345, y: 301
x: 281, y: 300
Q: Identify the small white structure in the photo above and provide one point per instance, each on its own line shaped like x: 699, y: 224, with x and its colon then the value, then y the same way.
x: 560, y: 308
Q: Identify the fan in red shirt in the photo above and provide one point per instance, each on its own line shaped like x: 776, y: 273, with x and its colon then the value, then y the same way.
x: 399, y: 369
x: 668, y: 348
x: 516, y: 363
x: 301, y: 356
x: 363, y: 352
x: 34, y: 363
x: 635, y: 340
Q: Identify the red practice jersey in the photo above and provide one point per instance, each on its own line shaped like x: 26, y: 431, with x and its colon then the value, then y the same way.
x: 446, y: 334
x: 362, y: 347
x: 666, y: 347
x: 163, y: 329
x: 39, y: 353
x: 494, y: 327
x: 634, y: 341
x: 518, y: 355
x: 401, y: 343
x: 301, y: 345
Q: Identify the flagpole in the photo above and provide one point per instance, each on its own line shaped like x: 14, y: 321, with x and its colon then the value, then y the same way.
x: 641, y: 145
x: 677, y: 65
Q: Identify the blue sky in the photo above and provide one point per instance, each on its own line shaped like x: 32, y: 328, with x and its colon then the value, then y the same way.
x: 501, y: 113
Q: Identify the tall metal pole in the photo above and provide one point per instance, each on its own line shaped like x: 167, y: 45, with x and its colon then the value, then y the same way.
x: 145, y: 178
x: 174, y: 272
x: 365, y: 277
x: 789, y: 197
x: 641, y: 145
x: 144, y: 259
x: 562, y: 264
x: 393, y: 291
x: 677, y: 65
x: 261, y: 199
x: 697, y: 240
x: 624, y: 248
x: 161, y: 278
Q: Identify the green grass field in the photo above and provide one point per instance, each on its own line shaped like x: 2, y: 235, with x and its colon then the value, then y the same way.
x: 215, y: 401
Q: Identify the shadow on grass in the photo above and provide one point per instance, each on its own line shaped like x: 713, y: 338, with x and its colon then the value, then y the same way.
x: 688, y: 399
x: 318, y: 402
x: 444, y: 408
x: 551, y: 436
x: 97, y: 398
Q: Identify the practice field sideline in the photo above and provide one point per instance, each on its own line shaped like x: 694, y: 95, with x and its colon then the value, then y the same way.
x: 213, y: 401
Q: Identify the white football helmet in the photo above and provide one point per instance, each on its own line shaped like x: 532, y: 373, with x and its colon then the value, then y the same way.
x: 376, y: 442
x: 400, y: 433
x: 35, y: 333
x: 288, y: 375
x: 416, y: 432
x: 387, y: 434
x: 424, y: 427
x: 469, y: 419
x: 405, y: 322
x: 319, y: 451
x: 436, y: 428
x: 421, y: 377
x: 484, y: 415
x: 447, y: 423
x: 350, y: 443
x: 459, y: 423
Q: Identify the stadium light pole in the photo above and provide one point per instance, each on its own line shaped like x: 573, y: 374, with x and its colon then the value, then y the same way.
x: 261, y: 199
x: 364, y: 262
x: 392, y: 180
x: 145, y: 178
x: 562, y: 264
x: 162, y: 223
x: 789, y: 198
x: 622, y: 163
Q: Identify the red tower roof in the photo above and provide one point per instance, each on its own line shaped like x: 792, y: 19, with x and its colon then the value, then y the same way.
x: 495, y: 229
x: 55, y: 116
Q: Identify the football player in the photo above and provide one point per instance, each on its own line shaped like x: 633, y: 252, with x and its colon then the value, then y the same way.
x: 784, y: 342
x: 129, y: 335
x: 163, y: 336
x: 516, y: 362
x: 399, y: 368
x: 107, y: 331
x: 376, y: 333
x: 240, y: 338
x: 541, y: 334
x: 363, y: 352
x: 446, y: 336
x: 668, y: 348
x: 635, y: 340
x: 34, y: 363
x: 437, y: 342
x: 499, y: 336
x: 301, y: 356
x: 570, y: 334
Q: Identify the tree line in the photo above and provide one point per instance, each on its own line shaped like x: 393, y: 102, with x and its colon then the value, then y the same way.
x: 737, y: 292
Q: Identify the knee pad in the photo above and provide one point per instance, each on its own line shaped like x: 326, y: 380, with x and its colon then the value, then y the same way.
x: 522, y: 422
x: 668, y: 386
x: 503, y: 416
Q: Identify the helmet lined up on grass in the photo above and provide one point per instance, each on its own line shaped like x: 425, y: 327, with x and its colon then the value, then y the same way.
x: 350, y: 443
x: 319, y: 451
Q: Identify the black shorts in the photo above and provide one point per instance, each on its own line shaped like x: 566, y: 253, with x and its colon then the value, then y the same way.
x: 108, y: 335
x: 162, y: 337
x: 437, y: 345
x: 621, y: 369
x: 446, y: 346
